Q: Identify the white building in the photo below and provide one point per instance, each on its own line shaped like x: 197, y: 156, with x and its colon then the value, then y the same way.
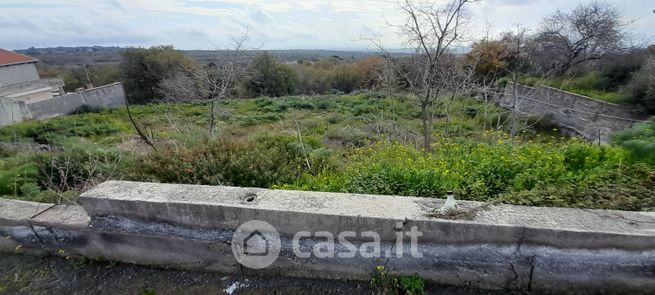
x: 19, y: 79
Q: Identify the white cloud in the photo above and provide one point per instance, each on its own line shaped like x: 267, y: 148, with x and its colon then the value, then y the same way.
x: 278, y: 24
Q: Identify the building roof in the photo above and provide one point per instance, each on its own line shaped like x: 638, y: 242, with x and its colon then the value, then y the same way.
x: 12, y: 58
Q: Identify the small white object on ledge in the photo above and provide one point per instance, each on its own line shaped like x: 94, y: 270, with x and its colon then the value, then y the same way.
x: 450, y: 207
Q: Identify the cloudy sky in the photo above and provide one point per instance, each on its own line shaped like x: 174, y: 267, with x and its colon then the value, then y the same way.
x: 273, y: 24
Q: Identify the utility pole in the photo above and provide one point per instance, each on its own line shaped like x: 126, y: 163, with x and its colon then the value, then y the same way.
x: 86, y: 73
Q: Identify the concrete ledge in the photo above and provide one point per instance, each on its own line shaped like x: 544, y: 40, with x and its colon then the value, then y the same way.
x: 14, y: 212
x: 294, y: 211
x: 191, y: 227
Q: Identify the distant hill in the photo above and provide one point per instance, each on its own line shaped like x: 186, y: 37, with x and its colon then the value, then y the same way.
x: 62, y: 56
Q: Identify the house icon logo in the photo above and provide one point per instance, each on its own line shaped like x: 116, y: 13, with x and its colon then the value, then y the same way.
x: 256, y: 244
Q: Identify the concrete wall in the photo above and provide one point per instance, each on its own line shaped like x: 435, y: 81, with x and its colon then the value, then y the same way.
x: 34, y: 90
x: 495, y: 247
x: 103, y: 97
x: 590, y: 118
x: 35, y: 94
x: 20, y: 73
x: 12, y: 111
x: 107, y: 96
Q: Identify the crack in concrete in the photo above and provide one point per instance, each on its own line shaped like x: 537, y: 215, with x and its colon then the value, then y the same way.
x: 405, y: 222
x: 516, y: 276
x: 30, y: 222
x: 519, y: 256
x: 35, y: 214
x: 38, y: 237
x: 531, y: 262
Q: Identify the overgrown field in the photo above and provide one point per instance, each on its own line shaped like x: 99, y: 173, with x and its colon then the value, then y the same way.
x: 361, y: 143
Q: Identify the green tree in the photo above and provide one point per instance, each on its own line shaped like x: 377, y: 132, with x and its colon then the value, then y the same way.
x: 641, y: 90
x: 345, y: 78
x: 142, y: 69
x: 269, y: 77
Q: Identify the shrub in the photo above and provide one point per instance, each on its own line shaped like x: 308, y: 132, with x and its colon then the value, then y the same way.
x: 503, y: 82
x: 277, y: 107
x: 75, y: 169
x: 19, y: 176
x: 588, y: 81
x: 471, y: 112
x: 630, y: 188
x: 263, y: 102
x: 347, y: 136
x: 89, y: 125
x: 252, y: 163
x: 325, y: 104
x: 641, y: 90
x: 617, y: 70
x: 300, y: 103
x: 639, y: 141
x: 269, y: 77
x: 335, y: 118
x: 384, y: 283
x: 85, y: 109
x: 62, y: 172
x: 476, y: 171
x: 142, y: 70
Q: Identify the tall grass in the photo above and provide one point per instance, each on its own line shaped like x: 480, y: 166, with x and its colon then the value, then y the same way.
x: 639, y: 141
x: 590, y: 84
x: 364, y: 142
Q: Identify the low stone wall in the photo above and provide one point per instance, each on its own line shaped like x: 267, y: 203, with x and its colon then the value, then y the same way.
x: 584, y: 116
x: 493, y: 247
x: 14, y: 111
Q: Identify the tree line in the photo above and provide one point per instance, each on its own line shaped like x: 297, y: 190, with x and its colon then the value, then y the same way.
x: 155, y: 73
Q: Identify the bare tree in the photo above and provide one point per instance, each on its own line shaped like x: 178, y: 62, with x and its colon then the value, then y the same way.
x: 209, y: 83
x: 516, y: 45
x: 506, y: 56
x: 588, y: 32
x: 67, y: 176
x: 458, y: 79
x: 431, y: 30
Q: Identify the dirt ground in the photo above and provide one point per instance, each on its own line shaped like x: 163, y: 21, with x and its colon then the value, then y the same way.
x: 25, y: 274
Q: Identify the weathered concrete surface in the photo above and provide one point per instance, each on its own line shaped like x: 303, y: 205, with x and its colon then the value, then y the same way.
x: 293, y: 211
x: 18, y: 73
x: 14, y: 111
x: 590, y: 118
x: 500, y: 247
x: 100, y: 97
x: 22, y: 91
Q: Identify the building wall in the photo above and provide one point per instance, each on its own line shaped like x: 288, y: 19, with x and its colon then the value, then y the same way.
x: 592, y: 119
x: 18, y: 74
x: 34, y: 95
x: 12, y: 111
